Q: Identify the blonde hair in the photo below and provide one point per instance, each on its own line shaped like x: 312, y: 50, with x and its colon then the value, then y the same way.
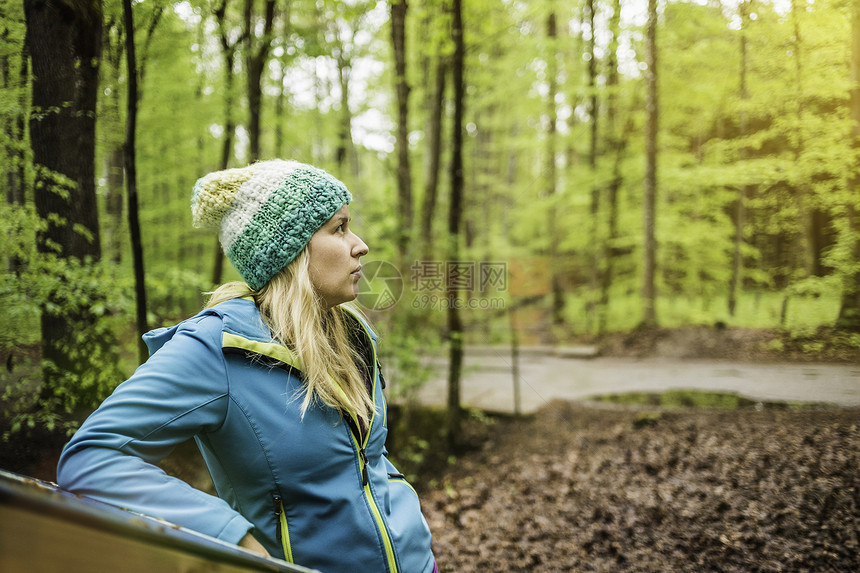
x: 318, y: 335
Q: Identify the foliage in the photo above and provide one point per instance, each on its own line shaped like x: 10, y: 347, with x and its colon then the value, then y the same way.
x: 782, y: 145
x: 91, y: 347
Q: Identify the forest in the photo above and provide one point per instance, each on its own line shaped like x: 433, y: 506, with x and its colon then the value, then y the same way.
x: 544, y: 170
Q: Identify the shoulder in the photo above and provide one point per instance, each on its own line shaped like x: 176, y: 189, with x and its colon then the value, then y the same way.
x: 208, y: 326
x: 204, y: 328
x: 240, y: 316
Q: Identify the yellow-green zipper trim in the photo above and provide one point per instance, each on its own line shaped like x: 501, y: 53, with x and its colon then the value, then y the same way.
x: 362, y: 460
x: 377, y: 515
x: 285, y: 531
x: 402, y: 480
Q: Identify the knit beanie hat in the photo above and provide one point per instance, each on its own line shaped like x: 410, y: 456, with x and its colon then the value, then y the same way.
x: 266, y: 212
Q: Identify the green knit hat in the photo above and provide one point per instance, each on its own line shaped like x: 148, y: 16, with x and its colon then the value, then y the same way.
x: 266, y: 212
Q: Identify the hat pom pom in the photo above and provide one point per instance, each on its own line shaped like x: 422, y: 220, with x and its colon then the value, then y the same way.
x: 215, y: 193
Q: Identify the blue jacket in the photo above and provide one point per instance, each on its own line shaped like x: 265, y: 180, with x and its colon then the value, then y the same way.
x: 311, y: 490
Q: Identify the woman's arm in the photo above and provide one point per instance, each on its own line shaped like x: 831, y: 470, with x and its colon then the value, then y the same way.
x: 182, y: 390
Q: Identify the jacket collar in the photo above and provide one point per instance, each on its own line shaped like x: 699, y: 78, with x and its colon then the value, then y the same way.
x: 243, y: 329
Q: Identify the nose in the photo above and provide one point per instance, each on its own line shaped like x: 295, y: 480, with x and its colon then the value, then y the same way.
x: 359, y: 248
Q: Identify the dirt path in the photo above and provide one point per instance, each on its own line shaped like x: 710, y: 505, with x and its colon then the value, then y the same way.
x: 488, y: 382
x: 585, y: 489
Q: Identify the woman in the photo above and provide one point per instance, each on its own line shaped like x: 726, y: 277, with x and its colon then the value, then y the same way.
x: 278, y: 384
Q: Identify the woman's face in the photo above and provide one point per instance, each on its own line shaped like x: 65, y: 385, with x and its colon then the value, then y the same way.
x: 334, y: 260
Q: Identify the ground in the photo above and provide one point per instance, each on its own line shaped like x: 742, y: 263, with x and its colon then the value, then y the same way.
x: 742, y: 344
x: 599, y: 488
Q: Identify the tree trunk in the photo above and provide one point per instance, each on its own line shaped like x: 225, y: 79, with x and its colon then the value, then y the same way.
x: 228, y: 54
x: 345, y: 150
x: 617, y: 146
x: 849, y: 311
x: 736, y: 281
x: 65, y: 42
x: 803, y: 195
x: 281, y: 99
x: 114, y: 202
x: 455, y: 325
x: 131, y: 180
x: 594, y: 208
x: 434, y: 155
x: 404, y: 177
x: 256, y: 56
x: 552, y: 177
x: 649, y: 316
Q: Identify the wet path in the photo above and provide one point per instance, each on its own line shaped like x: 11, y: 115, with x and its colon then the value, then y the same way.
x: 488, y: 380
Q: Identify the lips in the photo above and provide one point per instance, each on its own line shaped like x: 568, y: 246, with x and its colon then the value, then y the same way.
x: 356, y: 272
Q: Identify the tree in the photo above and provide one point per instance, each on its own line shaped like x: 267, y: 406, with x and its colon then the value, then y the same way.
x: 345, y: 26
x: 455, y: 324
x: 849, y: 310
x: 404, y: 176
x: 131, y: 178
x: 743, y: 190
x: 616, y: 144
x: 284, y: 62
x: 65, y: 43
x: 551, y: 172
x: 649, y: 317
x: 594, y: 207
x: 435, y: 66
x: 229, y: 43
x: 111, y: 74
x: 257, y: 48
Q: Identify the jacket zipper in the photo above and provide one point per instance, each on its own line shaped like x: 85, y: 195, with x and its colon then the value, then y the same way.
x: 282, y: 532
x: 360, y: 445
x: 368, y: 494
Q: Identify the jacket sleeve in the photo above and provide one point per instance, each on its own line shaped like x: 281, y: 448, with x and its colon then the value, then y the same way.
x: 181, y: 391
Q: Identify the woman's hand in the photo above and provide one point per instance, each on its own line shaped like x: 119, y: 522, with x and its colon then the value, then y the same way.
x: 252, y: 545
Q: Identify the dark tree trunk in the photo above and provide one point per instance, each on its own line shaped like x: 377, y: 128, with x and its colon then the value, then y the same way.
x: 404, y: 177
x: 455, y: 324
x: 649, y: 315
x: 803, y: 195
x: 617, y: 146
x: 257, y: 54
x: 228, y: 53
x: 114, y: 203
x: 849, y: 311
x: 131, y: 180
x: 594, y: 207
x: 65, y: 43
x: 736, y: 280
x: 552, y: 176
x: 434, y: 149
x: 345, y: 153
x: 281, y: 99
